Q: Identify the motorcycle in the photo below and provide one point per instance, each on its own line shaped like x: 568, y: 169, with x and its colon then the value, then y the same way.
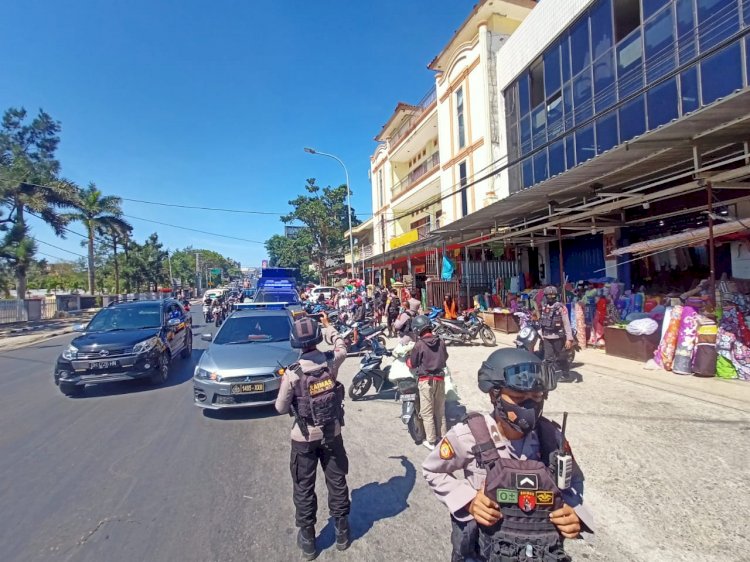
x: 218, y: 315
x: 529, y: 336
x: 464, y: 330
x: 207, y: 317
x: 370, y: 372
x: 408, y: 392
x: 358, y: 336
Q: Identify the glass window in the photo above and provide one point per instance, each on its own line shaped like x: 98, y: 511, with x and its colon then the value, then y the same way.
x: 565, y: 54
x: 604, y: 83
x: 659, y: 45
x: 510, y: 103
x: 717, y: 20
x: 601, y: 28
x: 606, y: 133
x: 540, y: 166
x: 746, y: 10
x: 580, y: 54
x: 627, y: 15
x: 513, y: 145
x: 555, y: 116
x: 629, y: 69
x: 570, y: 151
x: 747, y: 55
x: 523, y: 94
x: 568, y: 105
x: 650, y: 7
x: 585, y: 148
x: 525, y: 134
x: 539, y: 126
x: 460, y: 117
x: 557, y: 158
x: 689, y: 90
x: 685, y: 30
x: 464, y: 180
x: 632, y: 119
x: 721, y: 73
x: 552, y: 79
x: 582, y: 96
x: 528, y: 172
x: 537, y: 82
x: 662, y: 104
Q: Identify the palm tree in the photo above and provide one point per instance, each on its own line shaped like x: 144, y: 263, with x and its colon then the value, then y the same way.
x: 98, y: 213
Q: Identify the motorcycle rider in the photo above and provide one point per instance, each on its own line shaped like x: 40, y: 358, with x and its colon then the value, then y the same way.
x: 309, y: 390
x: 429, y: 359
x: 557, y: 335
x: 510, y: 505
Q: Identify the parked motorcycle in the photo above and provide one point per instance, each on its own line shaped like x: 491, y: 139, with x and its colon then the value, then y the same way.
x: 358, y: 336
x: 529, y: 335
x: 464, y: 330
x: 370, y: 372
x: 408, y: 392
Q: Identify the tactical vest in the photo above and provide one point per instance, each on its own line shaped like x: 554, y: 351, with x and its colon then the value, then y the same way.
x: 552, y: 321
x: 526, y: 493
x: 319, y: 397
x: 406, y: 328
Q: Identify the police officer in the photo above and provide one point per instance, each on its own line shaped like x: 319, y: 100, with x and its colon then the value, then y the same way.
x: 511, y: 505
x: 310, y: 392
x: 557, y: 335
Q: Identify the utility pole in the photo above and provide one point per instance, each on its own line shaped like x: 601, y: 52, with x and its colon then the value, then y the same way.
x: 171, y: 279
x: 198, y: 275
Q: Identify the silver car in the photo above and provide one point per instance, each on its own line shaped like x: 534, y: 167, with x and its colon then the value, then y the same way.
x: 242, y: 366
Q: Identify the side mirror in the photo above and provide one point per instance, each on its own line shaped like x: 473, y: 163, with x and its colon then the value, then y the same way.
x: 207, y: 337
x: 79, y: 327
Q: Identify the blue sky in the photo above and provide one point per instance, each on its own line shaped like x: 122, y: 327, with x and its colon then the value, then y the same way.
x: 211, y: 103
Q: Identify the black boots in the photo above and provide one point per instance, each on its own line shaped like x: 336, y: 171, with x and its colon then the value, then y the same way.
x: 343, y: 540
x: 306, y: 542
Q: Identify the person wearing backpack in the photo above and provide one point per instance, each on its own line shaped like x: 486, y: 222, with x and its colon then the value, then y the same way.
x: 521, y: 494
x: 393, y: 309
x: 310, y: 392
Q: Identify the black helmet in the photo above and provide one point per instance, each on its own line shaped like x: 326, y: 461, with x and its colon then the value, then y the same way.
x: 550, y: 290
x: 420, y: 324
x: 305, y: 333
x: 517, y: 369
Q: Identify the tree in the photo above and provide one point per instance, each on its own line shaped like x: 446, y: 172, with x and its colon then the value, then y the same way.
x: 294, y: 252
x: 99, y: 213
x: 29, y: 183
x: 116, y: 234
x: 324, y: 213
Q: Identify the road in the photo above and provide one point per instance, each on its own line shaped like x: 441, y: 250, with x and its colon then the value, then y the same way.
x: 131, y: 472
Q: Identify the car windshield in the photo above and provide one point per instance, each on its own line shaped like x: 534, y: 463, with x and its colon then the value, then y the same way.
x: 276, y: 296
x: 126, y: 318
x: 250, y: 329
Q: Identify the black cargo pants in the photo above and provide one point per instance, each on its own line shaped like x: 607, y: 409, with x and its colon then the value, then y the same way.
x: 304, y: 466
x: 465, y: 540
x: 555, y: 352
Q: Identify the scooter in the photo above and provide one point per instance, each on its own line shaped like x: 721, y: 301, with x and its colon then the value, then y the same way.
x: 370, y: 372
x: 529, y: 336
x: 207, y: 314
x: 408, y: 392
x: 218, y: 315
x: 464, y: 330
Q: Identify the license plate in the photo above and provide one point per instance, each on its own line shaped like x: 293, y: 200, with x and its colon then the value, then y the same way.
x: 408, y: 397
x: 247, y: 388
x: 104, y: 364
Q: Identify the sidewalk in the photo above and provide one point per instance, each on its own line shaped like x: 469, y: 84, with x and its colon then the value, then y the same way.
x: 14, y: 336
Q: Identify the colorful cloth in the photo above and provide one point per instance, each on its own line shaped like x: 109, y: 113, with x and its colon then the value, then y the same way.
x: 686, y: 340
x: 580, y: 324
x: 664, y: 354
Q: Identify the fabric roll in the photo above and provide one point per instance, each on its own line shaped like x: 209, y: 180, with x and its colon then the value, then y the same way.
x: 580, y: 324
x: 686, y: 341
x: 664, y: 354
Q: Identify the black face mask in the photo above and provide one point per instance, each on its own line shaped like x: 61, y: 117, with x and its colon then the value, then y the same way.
x: 551, y: 299
x: 526, y: 414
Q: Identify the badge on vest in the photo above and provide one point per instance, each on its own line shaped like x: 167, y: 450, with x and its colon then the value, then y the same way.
x: 504, y: 495
x: 527, y: 481
x: 526, y: 501
x: 545, y: 497
x: 446, y: 450
x: 321, y: 386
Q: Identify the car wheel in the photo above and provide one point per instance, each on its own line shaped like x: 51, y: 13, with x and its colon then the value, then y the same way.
x: 187, y: 351
x: 69, y: 389
x: 161, y: 376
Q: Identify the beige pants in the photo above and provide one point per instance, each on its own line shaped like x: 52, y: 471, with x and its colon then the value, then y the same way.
x: 432, y: 408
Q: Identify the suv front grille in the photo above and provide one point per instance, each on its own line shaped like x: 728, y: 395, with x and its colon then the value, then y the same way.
x: 267, y: 396
x: 248, y: 378
x: 112, y: 353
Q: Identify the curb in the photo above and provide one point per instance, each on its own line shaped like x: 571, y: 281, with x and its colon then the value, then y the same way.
x: 12, y: 346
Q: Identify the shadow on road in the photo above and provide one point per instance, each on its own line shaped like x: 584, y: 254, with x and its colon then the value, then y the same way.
x: 373, y: 502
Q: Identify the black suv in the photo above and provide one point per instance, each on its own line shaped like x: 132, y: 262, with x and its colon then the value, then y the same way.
x: 126, y: 341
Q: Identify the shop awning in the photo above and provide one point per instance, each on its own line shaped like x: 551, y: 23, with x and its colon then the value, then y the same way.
x: 688, y: 238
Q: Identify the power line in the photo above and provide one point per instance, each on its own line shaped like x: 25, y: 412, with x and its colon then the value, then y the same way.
x: 58, y: 247
x: 195, y: 230
x: 196, y: 207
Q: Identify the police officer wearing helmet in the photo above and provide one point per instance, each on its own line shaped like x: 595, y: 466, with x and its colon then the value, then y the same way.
x: 310, y: 392
x: 557, y: 335
x: 510, y: 505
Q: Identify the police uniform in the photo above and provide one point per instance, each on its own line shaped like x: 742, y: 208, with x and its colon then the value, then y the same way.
x: 518, y: 499
x: 323, y: 443
x: 556, y: 330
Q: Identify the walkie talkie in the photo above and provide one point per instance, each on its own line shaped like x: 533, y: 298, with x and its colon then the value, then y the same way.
x: 564, y: 460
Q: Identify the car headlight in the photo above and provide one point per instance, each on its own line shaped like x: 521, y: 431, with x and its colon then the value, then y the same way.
x: 70, y: 353
x: 145, y: 345
x: 204, y: 375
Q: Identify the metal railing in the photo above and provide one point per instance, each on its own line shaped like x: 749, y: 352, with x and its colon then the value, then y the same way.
x: 413, y: 119
x: 416, y: 174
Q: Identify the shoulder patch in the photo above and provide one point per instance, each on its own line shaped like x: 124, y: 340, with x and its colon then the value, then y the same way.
x: 446, y: 450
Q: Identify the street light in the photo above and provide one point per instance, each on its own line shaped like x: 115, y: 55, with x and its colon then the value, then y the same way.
x: 348, y: 201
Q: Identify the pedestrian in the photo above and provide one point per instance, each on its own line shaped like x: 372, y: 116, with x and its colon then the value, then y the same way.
x: 414, y: 304
x: 392, y: 310
x: 429, y: 359
x: 311, y: 393
x: 521, y: 491
x: 449, y: 307
x: 402, y: 324
x: 557, y: 335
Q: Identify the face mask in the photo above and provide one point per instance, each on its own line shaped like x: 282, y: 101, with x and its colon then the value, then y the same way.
x: 551, y: 300
x: 520, y: 417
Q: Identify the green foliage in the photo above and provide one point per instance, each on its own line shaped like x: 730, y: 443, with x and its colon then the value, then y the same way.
x: 292, y: 252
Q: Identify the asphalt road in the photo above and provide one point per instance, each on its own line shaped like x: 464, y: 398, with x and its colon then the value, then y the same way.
x: 135, y: 473
x: 131, y: 472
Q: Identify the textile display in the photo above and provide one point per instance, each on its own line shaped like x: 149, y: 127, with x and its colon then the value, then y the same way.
x: 704, y: 358
x: 580, y: 324
x: 664, y: 354
x: 686, y: 339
